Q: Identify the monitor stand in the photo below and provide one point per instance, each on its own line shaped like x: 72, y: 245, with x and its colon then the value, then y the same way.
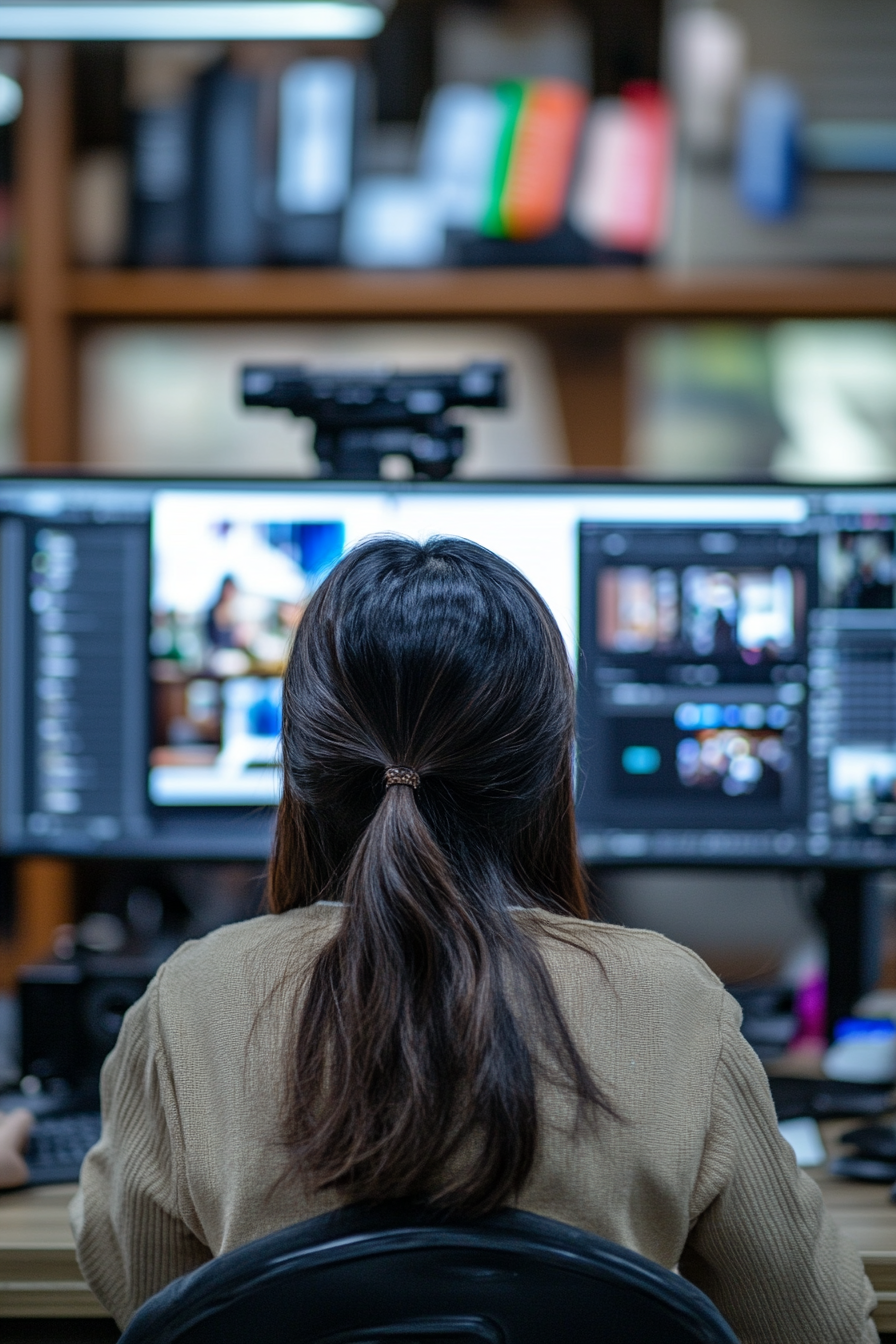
x: 849, y: 909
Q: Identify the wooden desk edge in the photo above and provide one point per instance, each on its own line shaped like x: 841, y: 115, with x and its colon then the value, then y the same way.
x: 47, y: 1298
x: 885, y: 1313
x: 40, y: 1278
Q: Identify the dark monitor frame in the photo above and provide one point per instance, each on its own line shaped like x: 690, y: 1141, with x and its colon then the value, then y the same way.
x: 244, y: 832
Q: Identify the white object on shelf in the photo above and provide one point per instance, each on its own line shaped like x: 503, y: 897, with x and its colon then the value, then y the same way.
x: 458, y: 151
x: 394, y: 221
x: 707, y: 56
x: 317, y: 109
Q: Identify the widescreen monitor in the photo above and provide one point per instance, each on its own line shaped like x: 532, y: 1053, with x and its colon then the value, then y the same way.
x: 735, y: 649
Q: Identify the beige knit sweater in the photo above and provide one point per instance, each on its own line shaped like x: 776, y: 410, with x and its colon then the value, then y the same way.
x: 190, y: 1162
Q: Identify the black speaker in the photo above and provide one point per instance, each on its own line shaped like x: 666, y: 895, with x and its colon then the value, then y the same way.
x: 72, y: 1014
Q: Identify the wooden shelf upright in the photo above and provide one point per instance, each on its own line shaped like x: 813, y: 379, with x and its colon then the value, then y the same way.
x: 43, y: 887
x: 43, y: 165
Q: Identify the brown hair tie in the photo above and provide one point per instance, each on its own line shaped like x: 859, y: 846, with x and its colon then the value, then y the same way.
x: 401, y: 774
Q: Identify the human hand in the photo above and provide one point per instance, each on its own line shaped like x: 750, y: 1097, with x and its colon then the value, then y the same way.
x: 15, y: 1129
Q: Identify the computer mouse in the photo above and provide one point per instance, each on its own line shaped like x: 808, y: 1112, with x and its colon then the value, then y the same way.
x: 863, y: 1169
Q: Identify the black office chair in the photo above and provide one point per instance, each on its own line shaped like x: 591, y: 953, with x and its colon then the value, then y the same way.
x: 393, y: 1276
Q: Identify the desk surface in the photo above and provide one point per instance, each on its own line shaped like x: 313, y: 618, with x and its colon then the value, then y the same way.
x: 39, y: 1274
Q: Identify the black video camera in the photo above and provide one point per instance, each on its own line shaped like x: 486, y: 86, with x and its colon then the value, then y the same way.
x: 360, y: 418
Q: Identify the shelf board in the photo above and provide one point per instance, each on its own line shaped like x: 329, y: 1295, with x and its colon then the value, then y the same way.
x: 488, y: 293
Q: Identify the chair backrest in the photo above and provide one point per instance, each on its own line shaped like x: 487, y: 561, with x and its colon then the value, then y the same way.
x: 392, y: 1275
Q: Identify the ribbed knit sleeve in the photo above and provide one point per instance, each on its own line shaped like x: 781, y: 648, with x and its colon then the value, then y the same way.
x: 128, y: 1218
x: 761, y: 1244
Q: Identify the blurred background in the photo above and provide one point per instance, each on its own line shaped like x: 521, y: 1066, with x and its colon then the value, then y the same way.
x: 674, y: 220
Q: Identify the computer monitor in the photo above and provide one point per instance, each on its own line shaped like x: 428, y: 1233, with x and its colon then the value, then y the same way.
x: 735, y: 650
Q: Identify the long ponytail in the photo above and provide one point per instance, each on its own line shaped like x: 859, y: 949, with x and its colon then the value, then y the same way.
x: 422, y: 1023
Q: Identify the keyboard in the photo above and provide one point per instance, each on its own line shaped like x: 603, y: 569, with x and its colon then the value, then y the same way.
x: 825, y: 1099
x: 58, y: 1146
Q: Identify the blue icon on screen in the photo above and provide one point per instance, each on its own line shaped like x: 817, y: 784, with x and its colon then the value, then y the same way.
x: 640, y: 760
x: 314, y: 547
x: 710, y: 715
x: 687, y: 716
x: 264, y: 717
x: 320, y: 545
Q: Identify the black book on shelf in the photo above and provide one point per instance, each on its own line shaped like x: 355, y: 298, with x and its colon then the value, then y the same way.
x: 224, y: 223
x: 161, y: 152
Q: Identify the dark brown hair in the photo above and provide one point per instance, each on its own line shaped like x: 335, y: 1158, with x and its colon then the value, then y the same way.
x: 421, y: 1025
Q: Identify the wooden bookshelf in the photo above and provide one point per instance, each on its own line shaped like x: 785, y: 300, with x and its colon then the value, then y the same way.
x: 551, y: 293
x: 583, y: 316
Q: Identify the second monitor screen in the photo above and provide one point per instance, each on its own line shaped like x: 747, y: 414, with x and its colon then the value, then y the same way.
x: 693, y: 676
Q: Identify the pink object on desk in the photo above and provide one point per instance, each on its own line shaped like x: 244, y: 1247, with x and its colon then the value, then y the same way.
x: 810, y: 1006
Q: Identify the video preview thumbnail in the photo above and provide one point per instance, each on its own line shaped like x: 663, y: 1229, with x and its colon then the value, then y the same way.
x: 700, y: 612
x: 226, y: 602
x: 858, y: 569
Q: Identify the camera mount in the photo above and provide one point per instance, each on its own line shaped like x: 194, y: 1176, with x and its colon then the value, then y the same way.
x: 360, y: 418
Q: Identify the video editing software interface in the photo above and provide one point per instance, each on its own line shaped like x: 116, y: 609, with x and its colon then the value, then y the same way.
x: 735, y: 651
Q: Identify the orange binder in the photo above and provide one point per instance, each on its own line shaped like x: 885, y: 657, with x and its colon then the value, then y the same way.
x: 533, y: 199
